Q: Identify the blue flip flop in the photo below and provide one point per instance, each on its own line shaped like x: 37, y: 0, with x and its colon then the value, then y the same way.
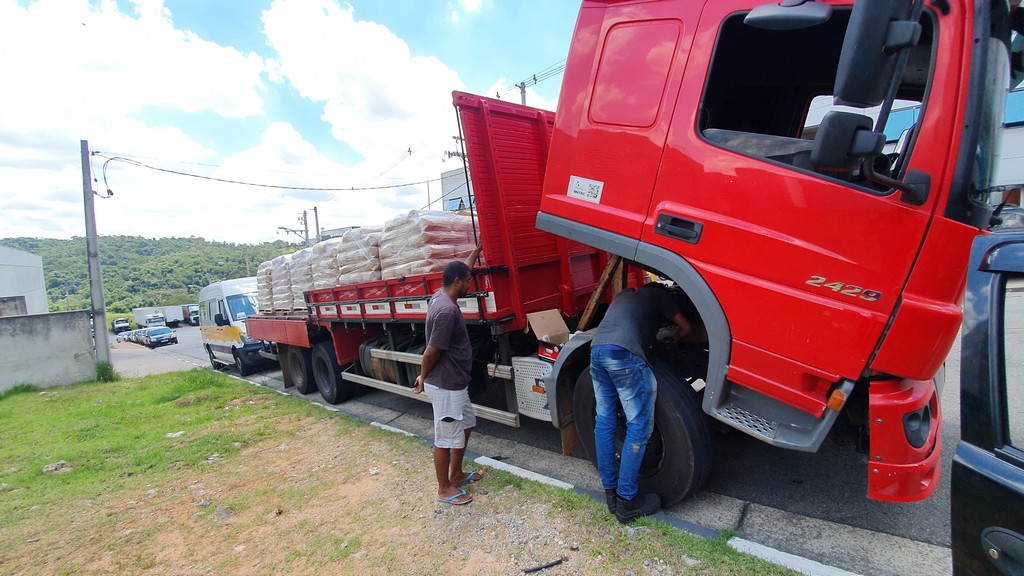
x: 474, y: 476
x: 451, y: 499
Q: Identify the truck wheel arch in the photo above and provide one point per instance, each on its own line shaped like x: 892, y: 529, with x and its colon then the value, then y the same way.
x: 680, y: 271
x: 669, y: 265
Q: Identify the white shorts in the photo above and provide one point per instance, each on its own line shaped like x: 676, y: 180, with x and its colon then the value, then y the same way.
x: 453, y: 415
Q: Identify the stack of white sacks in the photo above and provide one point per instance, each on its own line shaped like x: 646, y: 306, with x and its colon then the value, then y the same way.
x: 301, y: 269
x: 358, y: 256
x: 413, y: 243
x: 265, y: 287
x: 281, y: 283
x: 424, y: 242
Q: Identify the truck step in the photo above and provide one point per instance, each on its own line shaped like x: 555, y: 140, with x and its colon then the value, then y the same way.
x: 485, y: 412
x: 752, y: 423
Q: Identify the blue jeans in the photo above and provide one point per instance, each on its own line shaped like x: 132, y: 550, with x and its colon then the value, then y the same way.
x: 621, y: 376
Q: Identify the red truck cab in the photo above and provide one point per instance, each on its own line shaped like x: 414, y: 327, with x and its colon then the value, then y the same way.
x: 827, y: 266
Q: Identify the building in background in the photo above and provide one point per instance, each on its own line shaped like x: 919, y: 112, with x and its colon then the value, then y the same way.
x: 22, y: 287
x: 456, y: 194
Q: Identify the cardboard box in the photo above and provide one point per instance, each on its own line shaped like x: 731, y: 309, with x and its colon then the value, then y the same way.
x: 550, y: 330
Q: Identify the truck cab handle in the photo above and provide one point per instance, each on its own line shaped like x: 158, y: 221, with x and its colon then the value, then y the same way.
x: 678, y: 228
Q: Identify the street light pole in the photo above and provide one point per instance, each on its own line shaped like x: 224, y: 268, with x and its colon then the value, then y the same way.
x: 99, y: 316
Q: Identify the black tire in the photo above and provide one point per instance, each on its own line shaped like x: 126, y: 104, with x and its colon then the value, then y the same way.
x: 678, y: 456
x: 327, y: 374
x: 244, y: 368
x: 213, y: 359
x: 297, y: 367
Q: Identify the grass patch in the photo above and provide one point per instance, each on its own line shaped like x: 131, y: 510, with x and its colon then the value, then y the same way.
x: 112, y: 434
x: 19, y: 389
x: 197, y: 470
x: 105, y: 372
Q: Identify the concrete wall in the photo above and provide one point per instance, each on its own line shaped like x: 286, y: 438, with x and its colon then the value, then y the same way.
x: 21, y: 274
x: 46, y: 349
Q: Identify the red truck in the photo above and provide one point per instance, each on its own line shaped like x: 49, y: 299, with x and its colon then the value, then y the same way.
x: 826, y: 263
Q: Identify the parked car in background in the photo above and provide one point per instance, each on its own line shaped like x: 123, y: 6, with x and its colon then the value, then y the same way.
x: 160, y: 336
x: 135, y: 335
x: 119, y: 325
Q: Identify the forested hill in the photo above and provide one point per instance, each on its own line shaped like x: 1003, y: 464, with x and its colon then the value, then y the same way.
x: 141, y: 271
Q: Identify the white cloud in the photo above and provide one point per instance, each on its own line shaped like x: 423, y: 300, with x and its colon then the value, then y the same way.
x: 86, y: 70
x: 378, y: 98
x: 76, y: 71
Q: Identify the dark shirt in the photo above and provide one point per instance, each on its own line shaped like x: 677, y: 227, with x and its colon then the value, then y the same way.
x: 446, y: 331
x: 633, y: 319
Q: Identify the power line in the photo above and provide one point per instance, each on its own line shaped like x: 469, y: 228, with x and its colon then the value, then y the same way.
x: 257, y: 184
x: 534, y: 79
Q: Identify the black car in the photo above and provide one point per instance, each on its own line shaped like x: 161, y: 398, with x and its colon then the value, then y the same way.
x: 159, y: 337
x: 987, y: 521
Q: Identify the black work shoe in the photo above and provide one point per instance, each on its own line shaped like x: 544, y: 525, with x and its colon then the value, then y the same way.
x: 641, y: 505
x: 611, y: 498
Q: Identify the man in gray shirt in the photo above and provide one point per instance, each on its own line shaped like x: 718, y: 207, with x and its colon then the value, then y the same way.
x: 619, y: 369
x: 444, y: 376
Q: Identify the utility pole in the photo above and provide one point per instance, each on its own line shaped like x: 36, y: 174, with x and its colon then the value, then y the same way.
x: 316, y: 227
x: 99, y: 316
x: 305, y: 227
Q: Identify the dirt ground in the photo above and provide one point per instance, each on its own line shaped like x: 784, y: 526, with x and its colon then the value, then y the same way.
x: 333, y: 499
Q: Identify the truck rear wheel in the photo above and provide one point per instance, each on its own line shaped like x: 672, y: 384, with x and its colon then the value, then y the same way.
x: 297, y: 369
x: 327, y: 374
x: 678, y: 455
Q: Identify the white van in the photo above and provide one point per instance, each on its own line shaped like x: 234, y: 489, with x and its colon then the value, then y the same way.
x: 223, y: 308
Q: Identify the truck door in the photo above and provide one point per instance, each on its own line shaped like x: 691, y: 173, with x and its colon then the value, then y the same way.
x: 987, y: 520
x: 808, y: 265
x: 622, y: 77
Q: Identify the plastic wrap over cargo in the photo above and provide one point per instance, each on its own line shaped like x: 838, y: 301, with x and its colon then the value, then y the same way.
x: 301, y: 268
x: 424, y: 242
x: 264, y: 289
x: 281, y: 283
x: 357, y: 259
x: 325, y: 264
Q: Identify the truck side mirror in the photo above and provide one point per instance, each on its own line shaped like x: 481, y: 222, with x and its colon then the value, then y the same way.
x: 878, y: 32
x: 843, y: 140
x: 219, y: 320
x: 788, y: 15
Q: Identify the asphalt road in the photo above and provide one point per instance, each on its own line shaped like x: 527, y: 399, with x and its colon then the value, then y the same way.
x: 751, y: 482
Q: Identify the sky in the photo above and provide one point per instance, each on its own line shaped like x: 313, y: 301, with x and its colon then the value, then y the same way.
x: 302, y: 93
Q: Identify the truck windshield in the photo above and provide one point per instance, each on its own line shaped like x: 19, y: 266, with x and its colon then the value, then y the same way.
x: 242, y: 306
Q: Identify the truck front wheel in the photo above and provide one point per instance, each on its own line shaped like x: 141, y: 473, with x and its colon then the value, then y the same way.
x: 244, y: 368
x: 678, y: 455
x: 327, y: 374
x: 297, y: 369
